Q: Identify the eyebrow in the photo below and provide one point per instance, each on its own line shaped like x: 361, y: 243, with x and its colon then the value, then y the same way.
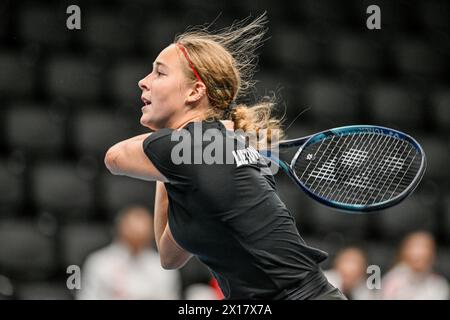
x: 158, y: 63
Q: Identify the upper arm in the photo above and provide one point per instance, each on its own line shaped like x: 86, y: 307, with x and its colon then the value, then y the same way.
x: 171, y: 254
x: 128, y: 158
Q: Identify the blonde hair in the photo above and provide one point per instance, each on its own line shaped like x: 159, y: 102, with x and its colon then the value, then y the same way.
x: 226, y: 61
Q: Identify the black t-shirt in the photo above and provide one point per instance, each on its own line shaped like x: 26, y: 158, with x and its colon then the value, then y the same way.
x: 228, y: 213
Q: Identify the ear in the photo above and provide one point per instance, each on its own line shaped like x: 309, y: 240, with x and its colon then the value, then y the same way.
x: 196, y: 92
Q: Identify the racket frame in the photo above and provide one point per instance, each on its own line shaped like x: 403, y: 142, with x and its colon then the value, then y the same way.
x: 307, y: 140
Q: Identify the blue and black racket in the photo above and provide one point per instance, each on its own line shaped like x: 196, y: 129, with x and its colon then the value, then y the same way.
x: 356, y: 168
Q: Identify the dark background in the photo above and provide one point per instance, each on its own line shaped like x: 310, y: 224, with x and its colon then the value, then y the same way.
x: 66, y: 96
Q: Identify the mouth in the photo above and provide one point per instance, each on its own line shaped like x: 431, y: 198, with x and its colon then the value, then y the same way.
x: 146, y: 101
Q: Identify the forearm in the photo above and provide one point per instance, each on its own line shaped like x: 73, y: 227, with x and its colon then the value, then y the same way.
x: 139, y: 138
x: 128, y: 158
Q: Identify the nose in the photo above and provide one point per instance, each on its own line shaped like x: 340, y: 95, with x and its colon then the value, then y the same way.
x: 142, y: 85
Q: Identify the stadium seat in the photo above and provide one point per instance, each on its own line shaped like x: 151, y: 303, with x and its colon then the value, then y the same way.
x: 11, y: 189
x: 158, y: 33
x: 43, y: 25
x: 326, y: 221
x: 395, y: 106
x: 380, y: 253
x: 328, y: 11
x: 417, y: 58
x: 447, y: 217
x: 441, y: 109
x: 433, y: 15
x: 354, y: 52
x: 16, y: 77
x: 7, y: 288
x: 25, y: 253
x: 410, y: 215
x: 59, y: 188
x: 271, y: 84
x: 43, y: 291
x: 73, y: 78
x: 394, y: 14
x: 437, y: 153
x: 194, y: 12
x: 117, y: 192
x: 96, y: 130
x: 430, y: 192
x: 80, y: 239
x: 295, y: 49
x: 442, y: 262
x: 243, y: 8
x: 331, y: 102
x: 44, y: 133
x: 124, y: 80
x: 108, y: 30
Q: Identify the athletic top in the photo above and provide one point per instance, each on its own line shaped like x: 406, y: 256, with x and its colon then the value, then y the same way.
x: 224, y: 209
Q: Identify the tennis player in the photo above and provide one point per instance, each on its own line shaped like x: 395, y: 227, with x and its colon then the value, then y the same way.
x: 227, y: 214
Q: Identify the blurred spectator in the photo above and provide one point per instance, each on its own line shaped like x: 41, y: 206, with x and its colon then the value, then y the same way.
x: 412, y: 277
x: 6, y: 288
x: 200, y: 291
x: 203, y: 291
x: 349, y: 274
x: 129, y: 268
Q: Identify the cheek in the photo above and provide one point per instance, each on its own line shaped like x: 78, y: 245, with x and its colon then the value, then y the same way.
x: 166, y: 90
x: 167, y: 98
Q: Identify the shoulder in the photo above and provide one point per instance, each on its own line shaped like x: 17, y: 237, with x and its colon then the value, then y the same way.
x: 160, y: 134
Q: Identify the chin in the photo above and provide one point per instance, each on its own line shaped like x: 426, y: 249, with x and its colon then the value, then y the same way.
x: 149, y: 123
x: 145, y: 122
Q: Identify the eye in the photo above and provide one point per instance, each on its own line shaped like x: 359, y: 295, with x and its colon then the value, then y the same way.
x: 159, y: 73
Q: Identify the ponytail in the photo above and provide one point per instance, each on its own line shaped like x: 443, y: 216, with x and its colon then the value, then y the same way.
x: 226, y: 61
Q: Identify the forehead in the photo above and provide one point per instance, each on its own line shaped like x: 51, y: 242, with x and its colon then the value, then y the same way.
x: 352, y: 254
x: 420, y: 240
x: 169, y: 56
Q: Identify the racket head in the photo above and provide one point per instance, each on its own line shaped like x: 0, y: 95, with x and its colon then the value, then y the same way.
x: 361, y: 168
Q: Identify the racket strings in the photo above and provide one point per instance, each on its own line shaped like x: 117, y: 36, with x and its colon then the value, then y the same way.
x: 350, y: 162
x: 359, y: 195
x: 359, y: 169
x: 358, y: 179
x: 399, y: 178
x: 383, y: 172
x: 317, y: 186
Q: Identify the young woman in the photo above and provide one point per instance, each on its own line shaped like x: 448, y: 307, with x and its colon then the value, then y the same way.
x: 226, y: 213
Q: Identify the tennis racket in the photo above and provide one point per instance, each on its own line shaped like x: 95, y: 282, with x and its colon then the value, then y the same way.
x: 356, y: 168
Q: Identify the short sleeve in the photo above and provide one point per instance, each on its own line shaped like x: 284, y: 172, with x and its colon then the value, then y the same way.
x: 158, y: 147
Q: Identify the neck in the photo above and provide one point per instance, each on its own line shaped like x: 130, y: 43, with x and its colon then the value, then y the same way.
x: 197, y: 115
x: 182, y: 123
